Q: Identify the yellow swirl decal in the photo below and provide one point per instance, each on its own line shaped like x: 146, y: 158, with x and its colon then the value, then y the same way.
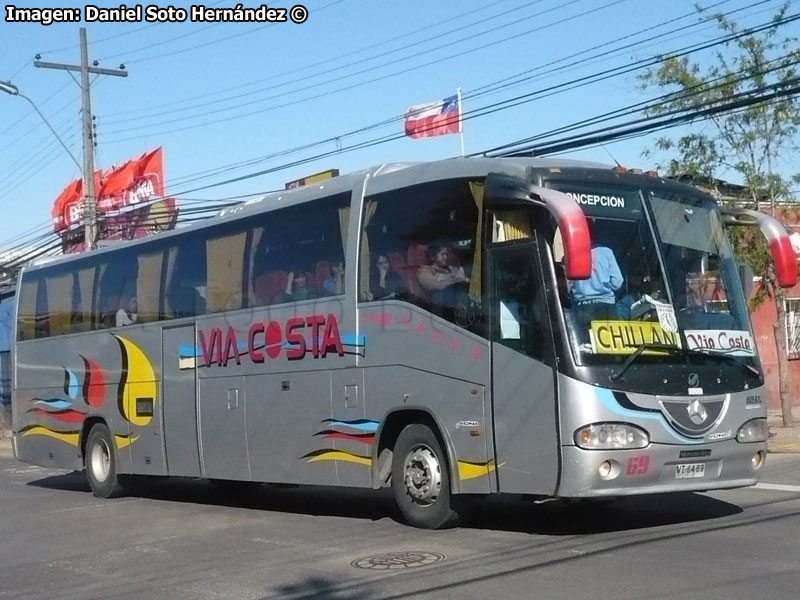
x: 137, y: 385
x: 471, y: 470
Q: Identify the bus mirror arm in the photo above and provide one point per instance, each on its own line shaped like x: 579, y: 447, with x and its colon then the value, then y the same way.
x: 574, y: 230
x: 505, y: 191
x: 780, y: 246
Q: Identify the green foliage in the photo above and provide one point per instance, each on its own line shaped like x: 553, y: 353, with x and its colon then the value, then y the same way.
x: 749, y: 144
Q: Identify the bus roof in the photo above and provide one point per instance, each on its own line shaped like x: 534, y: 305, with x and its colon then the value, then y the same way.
x: 395, y: 174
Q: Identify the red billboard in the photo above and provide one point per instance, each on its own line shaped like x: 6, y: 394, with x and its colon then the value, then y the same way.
x: 130, y: 201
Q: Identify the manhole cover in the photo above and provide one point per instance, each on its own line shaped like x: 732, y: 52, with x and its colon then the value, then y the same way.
x: 398, y: 560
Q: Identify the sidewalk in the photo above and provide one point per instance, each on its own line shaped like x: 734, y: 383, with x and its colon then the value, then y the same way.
x: 783, y: 439
x: 5, y: 445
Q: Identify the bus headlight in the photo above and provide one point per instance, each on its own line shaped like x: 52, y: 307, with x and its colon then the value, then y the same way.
x: 611, y: 436
x: 755, y: 430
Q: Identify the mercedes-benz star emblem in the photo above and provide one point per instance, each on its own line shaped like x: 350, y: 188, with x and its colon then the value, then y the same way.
x: 697, y: 412
x: 694, y: 380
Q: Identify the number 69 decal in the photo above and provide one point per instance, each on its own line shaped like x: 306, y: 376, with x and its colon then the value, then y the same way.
x: 637, y: 465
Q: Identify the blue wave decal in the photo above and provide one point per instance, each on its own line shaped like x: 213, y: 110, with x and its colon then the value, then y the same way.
x: 55, y: 403
x: 607, y: 397
x: 351, y: 339
x: 71, y: 387
x: 187, y: 351
x: 358, y: 424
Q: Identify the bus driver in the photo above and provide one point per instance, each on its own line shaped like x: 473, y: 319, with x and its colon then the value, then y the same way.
x: 594, y: 297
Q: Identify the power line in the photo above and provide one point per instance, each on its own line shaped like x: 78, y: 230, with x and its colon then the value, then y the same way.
x: 646, y: 124
x: 219, y: 40
x: 525, y: 98
x: 372, y: 143
x: 160, y: 106
x: 350, y: 86
x: 481, y: 22
x: 119, y: 35
x: 468, y: 95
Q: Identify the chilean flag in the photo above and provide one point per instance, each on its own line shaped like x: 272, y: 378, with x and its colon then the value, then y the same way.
x: 434, y: 118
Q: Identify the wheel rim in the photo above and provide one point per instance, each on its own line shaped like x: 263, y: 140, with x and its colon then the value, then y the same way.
x: 100, y: 461
x: 422, y: 475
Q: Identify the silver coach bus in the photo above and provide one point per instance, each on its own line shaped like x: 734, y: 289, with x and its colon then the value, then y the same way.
x: 429, y: 327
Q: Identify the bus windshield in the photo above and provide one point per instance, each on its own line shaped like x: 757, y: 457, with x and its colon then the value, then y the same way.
x: 702, y: 274
x: 663, y: 273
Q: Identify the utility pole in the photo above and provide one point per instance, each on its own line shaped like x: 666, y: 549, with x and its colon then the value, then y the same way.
x: 90, y: 206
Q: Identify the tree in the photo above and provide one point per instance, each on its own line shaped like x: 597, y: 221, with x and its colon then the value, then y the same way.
x: 747, y: 143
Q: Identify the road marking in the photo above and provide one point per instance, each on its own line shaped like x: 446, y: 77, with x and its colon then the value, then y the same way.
x: 778, y: 487
x: 58, y: 510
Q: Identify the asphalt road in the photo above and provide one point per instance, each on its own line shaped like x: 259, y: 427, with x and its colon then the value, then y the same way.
x: 184, y: 539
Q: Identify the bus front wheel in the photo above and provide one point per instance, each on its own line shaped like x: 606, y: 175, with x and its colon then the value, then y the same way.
x: 100, y: 461
x: 421, y: 480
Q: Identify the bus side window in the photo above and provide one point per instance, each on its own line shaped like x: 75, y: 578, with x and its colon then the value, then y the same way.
x: 82, y: 317
x: 186, y: 279
x: 226, y: 259
x: 59, y: 289
x: 148, y: 285
x: 117, y: 285
x: 298, y: 253
x: 42, y: 321
x: 26, y: 318
x: 421, y: 246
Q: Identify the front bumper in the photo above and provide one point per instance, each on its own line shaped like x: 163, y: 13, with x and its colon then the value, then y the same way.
x: 654, y: 469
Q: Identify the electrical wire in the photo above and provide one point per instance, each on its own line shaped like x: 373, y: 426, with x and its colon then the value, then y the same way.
x: 468, y: 95
x: 313, y: 158
x: 238, y: 96
x: 205, y: 95
x: 219, y: 40
x: 352, y: 86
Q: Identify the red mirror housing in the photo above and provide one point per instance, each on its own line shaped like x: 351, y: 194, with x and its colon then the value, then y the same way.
x: 780, y: 246
x: 574, y: 231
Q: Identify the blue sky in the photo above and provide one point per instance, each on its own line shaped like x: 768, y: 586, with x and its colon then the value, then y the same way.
x: 217, y: 94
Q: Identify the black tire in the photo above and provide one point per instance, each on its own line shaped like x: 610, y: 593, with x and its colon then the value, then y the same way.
x: 421, y: 479
x: 100, y: 460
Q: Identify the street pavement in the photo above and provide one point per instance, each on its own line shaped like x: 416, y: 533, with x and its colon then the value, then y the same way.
x: 783, y: 439
x: 182, y: 539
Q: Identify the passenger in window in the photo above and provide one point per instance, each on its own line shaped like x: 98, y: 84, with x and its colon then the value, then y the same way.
x: 334, y: 283
x: 297, y: 287
x: 594, y: 298
x: 439, y: 274
x: 384, y: 281
x: 127, y: 315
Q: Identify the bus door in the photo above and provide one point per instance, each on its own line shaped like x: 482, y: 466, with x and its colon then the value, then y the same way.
x: 523, y: 378
x: 179, y: 389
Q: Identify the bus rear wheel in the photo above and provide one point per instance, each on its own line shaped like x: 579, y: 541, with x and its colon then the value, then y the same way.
x: 421, y: 479
x: 100, y: 461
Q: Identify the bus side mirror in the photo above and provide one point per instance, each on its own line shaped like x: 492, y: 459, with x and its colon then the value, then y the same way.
x: 780, y: 246
x: 746, y: 275
x: 504, y: 190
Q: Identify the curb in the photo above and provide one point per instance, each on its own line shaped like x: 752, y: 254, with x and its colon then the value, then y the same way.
x: 783, y: 447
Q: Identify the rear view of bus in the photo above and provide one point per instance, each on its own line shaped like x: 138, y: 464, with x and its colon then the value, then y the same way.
x: 660, y: 386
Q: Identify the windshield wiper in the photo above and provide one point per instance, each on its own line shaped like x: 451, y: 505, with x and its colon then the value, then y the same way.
x: 636, y: 353
x: 677, y: 350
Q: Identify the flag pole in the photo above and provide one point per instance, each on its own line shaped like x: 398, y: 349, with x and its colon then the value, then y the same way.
x: 460, y: 124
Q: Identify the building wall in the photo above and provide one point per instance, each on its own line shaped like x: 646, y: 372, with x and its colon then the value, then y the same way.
x: 764, y: 319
